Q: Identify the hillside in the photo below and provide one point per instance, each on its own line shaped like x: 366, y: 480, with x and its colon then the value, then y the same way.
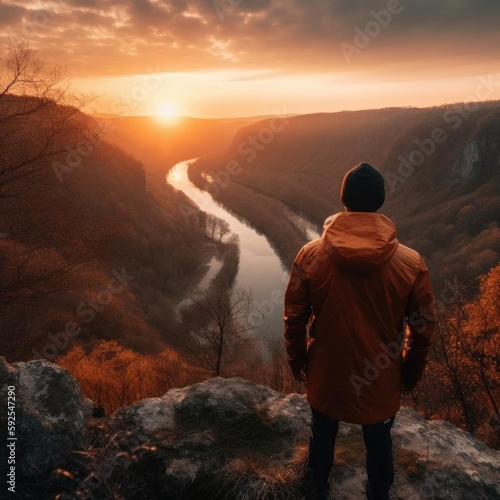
x: 90, y: 249
x: 440, y: 164
x: 223, y: 438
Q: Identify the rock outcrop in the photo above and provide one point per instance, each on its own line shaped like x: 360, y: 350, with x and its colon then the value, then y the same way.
x: 243, y: 435
x: 228, y: 438
x: 49, y: 414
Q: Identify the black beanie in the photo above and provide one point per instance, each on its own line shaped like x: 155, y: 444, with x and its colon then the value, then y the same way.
x: 363, y: 189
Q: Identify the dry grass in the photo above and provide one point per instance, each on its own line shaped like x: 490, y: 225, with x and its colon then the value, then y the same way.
x: 350, y: 451
x: 254, y: 477
x: 103, y: 469
x: 248, y: 469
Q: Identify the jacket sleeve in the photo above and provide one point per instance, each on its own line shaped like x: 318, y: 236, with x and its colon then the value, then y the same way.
x: 297, y: 314
x: 421, y: 314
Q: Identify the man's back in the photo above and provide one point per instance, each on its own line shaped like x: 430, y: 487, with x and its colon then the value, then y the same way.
x: 360, y: 283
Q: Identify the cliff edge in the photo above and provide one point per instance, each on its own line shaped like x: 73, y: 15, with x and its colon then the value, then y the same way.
x: 223, y: 438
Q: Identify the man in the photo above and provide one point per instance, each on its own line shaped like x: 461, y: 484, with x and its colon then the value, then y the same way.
x: 351, y: 297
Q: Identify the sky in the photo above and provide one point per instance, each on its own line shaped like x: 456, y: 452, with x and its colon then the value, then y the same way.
x: 235, y: 58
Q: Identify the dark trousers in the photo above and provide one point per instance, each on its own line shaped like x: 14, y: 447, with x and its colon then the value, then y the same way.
x: 379, y: 464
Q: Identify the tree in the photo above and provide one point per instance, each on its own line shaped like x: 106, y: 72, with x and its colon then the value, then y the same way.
x: 220, y: 339
x: 40, y: 121
x: 453, y: 355
x: 483, y: 328
x: 113, y: 376
x: 275, y: 371
x: 210, y: 225
x: 465, y: 358
x: 223, y: 228
x: 216, y: 228
x: 110, y: 375
x: 40, y: 118
x: 170, y: 370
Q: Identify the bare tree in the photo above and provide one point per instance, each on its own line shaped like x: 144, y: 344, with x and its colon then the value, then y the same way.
x: 453, y: 355
x: 276, y: 372
x: 40, y: 118
x: 223, y: 228
x: 40, y: 121
x: 210, y: 225
x: 215, y: 228
x: 221, y: 338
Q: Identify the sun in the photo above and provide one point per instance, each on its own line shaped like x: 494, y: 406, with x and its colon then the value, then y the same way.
x: 168, y: 111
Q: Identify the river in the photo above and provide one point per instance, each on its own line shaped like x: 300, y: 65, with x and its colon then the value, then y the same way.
x: 260, y: 269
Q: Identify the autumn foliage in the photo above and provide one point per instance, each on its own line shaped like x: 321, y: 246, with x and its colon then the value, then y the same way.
x: 113, y: 376
x: 461, y: 382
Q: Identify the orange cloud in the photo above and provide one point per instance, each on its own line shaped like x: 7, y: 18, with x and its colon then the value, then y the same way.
x: 392, y: 41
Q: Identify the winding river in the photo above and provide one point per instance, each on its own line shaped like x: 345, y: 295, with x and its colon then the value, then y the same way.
x: 260, y: 269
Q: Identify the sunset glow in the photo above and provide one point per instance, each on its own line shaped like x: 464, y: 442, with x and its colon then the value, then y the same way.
x: 168, y: 113
x: 217, y: 57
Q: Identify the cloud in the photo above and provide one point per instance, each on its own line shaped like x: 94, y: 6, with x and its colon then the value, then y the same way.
x: 10, y: 14
x: 114, y: 37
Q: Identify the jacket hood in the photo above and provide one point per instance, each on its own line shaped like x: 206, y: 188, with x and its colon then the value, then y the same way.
x: 359, y: 241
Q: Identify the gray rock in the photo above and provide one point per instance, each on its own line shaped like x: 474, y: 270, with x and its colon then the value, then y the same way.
x: 50, y: 413
x: 202, y: 429
x: 291, y: 413
x: 433, y: 460
x: 233, y: 436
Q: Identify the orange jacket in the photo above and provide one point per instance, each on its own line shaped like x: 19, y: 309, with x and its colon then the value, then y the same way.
x: 352, y: 296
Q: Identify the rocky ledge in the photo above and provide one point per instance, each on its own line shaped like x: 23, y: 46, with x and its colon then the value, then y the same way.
x: 223, y: 438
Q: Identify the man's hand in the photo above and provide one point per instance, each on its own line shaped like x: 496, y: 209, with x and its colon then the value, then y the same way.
x: 409, y: 381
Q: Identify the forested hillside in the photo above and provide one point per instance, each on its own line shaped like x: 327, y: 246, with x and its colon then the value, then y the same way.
x: 88, y: 251
x: 441, y: 166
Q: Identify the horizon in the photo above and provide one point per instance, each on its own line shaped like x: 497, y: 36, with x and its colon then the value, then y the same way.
x: 173, y: 118
x: 481, y: 89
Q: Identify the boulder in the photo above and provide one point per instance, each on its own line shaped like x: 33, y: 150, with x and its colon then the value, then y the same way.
x: 208, y: 427
x: 50, y: 413
x: 234, y: 437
